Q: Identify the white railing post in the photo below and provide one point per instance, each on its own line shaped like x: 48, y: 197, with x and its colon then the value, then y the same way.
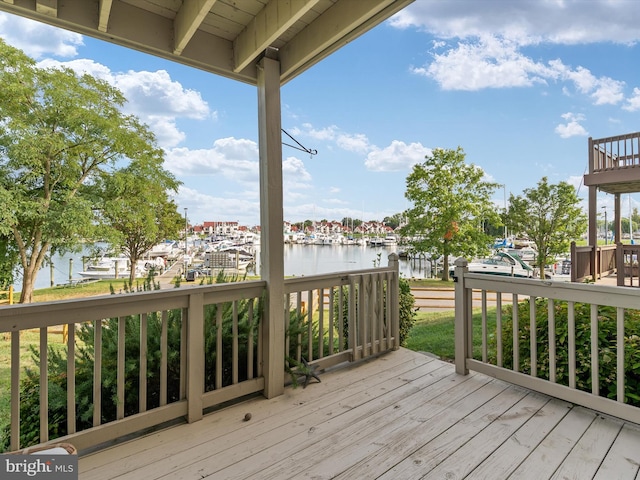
x: 394, y: 299
x: 461, y: 318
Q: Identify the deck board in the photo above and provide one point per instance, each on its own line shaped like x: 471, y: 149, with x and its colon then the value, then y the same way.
x: 401, y: 415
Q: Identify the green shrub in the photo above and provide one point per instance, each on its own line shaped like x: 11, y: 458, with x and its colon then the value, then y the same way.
x: 607, y: 353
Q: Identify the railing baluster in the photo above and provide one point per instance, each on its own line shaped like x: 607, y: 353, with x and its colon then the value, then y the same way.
x: 183, y: 353
x: 15, y: 390
x: 374, y: 313
x: 44, y: 387
x: 320, y: 323
x: 310, y: 326
x: 552, y: 340
x: 484, y: 326
x: 299, y: 320
x: 571, y: 329
x: 353, y: 320
x: 385, y: 310
x: 164, y: 355
x: 516, y: 337
x: 142, y: 374
x: 499, y: 329
x: 97, y: 373
x: 341, y: 346
x: 365, y: 288
x: 234, y: 345
x: 533, y: 340
x: 595, y: 360
x: 620, y: 380
x: 332, y: 324
x: 71, y: 378
x: 219, y: 346
x: 250, y: 319
x: 120, y: 367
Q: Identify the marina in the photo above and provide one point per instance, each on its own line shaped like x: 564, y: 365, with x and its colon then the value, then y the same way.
x: 299, y: 260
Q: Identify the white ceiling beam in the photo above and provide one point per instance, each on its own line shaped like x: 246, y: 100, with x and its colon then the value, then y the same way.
x: 188, y: 20
x: 337, y: 26
x: 272, y: 21
x: 103, y: 18
x: 47, y: 7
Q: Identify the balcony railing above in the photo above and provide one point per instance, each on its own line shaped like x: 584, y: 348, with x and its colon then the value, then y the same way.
x: 614, y: 163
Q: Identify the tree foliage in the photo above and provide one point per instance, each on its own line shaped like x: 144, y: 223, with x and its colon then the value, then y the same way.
x: 60, y: 134
x: 137, y: 212
x: 451, y: 202
x: 550, y: 216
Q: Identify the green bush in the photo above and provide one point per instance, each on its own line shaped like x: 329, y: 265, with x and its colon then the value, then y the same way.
x: 607, y: 341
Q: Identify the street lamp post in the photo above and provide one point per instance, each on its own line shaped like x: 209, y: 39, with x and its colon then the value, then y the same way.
x: 186, y: 230
x: 504, y: 186
x: 606, y: 235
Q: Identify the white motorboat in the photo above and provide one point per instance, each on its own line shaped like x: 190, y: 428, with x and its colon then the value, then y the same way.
x: 502, y: 263
x: 110, y: 268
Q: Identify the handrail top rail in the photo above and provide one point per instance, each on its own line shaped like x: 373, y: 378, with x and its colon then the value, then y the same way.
x: 42, y: 314
x: 606, y: 295
x: 614, y: 138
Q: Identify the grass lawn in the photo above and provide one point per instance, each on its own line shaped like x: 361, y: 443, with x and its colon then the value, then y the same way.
x: 434, y: 332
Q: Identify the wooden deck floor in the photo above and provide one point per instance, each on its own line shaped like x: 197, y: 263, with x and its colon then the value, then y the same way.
x: 401, y: 416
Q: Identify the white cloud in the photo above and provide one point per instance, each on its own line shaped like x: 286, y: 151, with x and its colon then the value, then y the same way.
x: 37, y: 39
x: 526, y: 22
x: 572, y: 128
x: 235, y: 161
x: 490, y: 63
x: 231, y: 158
x: 486, y: 41
x: 153, y: 97
x: 396, y: 157
x: 633, y: 102
x: 358, y: 143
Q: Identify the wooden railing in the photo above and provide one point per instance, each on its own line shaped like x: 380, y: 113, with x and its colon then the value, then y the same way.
x: 9, y: 294
x: 613, y: 153
x: 203, y: 348
x: 589, y: 263
x: 627, y: 257
x: 576, y: 322
x: 357, y: 313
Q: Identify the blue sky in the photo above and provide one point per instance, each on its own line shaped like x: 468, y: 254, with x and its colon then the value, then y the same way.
x: 520, y: 86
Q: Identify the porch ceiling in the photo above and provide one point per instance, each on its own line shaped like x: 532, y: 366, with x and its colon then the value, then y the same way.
x: 225, y: 37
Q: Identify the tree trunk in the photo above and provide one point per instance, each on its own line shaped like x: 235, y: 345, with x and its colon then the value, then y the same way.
x: 445, y: 262
x: 28, y: 280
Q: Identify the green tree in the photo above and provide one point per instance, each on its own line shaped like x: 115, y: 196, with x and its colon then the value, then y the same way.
x: 550, y: 216
x: 394, y: 221
x: 451, y: 202
x: 60, y: 132
x: 137, y: 212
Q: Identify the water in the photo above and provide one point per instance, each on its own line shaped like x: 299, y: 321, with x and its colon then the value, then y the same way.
x: 299, y: 260
x: 318, y: 259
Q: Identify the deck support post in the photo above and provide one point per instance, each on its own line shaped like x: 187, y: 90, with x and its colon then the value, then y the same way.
x: 271, y: 221
x: 462, y: 318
